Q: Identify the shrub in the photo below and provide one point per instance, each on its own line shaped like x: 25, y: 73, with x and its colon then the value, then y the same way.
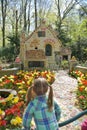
x: 81, y: 91
x: 65, y: 64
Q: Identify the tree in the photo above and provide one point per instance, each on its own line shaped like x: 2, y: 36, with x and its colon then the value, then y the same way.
x: 79, y: 49
x: 19, y: 15
x: 83, y: 9
x: 4, y: 4
x: 83, y: 29
x: 63, y: 10
x: 45, y: 11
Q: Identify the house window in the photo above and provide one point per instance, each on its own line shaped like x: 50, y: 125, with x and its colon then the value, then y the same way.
x: 41, y: 33
x: 36, y: 64
x: 48, y: 50
x: 65, y: 57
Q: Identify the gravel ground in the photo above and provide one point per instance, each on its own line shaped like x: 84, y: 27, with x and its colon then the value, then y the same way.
x: 64, y: 91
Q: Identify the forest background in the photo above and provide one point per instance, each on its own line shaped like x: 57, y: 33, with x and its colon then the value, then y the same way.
x: 67, y: 17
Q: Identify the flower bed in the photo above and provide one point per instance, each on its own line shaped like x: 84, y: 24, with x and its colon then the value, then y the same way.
x: 81, y: 91
x: 12, y: 107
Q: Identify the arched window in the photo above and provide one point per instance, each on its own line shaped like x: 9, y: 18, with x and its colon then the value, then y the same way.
x: 48, y: 50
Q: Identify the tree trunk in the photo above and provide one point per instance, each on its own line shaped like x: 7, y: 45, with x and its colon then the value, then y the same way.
x: 25, y: 23
x: 3, y: 32
x: 35, y: 4
x: 3, y: 7
x: 16, y: 31
x: 28, y: 19
x: 59, y: 17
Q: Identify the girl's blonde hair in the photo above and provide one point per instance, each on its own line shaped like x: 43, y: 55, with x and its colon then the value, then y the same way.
x: 40, y: 87
x: 29, y: 95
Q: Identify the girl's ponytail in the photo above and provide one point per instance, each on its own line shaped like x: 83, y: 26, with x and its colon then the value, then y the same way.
x: 29, y: 95
x: 50, y: 99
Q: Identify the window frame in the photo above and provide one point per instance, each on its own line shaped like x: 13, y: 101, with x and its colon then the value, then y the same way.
x: 48, y: 50
x: 41, y: 34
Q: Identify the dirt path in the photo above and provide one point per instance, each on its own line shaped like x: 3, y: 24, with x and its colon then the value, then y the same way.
x: 64, y: 87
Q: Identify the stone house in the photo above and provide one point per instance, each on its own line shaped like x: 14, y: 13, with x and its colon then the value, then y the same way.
x: 42, y: 48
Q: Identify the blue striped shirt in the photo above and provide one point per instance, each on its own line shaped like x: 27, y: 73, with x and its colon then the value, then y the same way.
x: 44, y: 119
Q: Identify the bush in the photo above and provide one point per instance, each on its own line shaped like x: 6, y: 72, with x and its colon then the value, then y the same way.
x: 81, y: 91
x: 65, y: 64
x: 10, y: 52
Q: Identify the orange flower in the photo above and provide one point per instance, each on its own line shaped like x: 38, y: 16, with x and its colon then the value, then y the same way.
x: 81, y: 88
x: 84, y: 82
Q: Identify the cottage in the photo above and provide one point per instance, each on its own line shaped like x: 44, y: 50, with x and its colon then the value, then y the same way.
x: 42, y: 48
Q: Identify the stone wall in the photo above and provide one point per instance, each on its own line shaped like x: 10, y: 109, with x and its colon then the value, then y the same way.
x: 8, y: 71
x: 81, y: 68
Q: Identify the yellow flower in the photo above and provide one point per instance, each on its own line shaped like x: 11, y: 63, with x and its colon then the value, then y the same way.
x: 30, y: 81
x: 0, y: 79
x: 15, y: 100
x: 13, y: 122
x: 11, y: 77
x: 22, y: 92
x: 76, y: 102
x: 2, y: 114
x: 83, y: 86
x: 10, y: 97
x: 16, y: 121
x: 18, y: 84
x: 23, y: 82
x: 86, y: 89
x: 12, y: 80
x: 21, y: 86
x: 19, y: 120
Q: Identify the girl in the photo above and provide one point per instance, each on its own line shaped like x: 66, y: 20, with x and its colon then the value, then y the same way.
x: 43, y: 109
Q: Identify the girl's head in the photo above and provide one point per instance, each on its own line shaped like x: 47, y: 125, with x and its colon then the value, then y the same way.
x: 40, y: 87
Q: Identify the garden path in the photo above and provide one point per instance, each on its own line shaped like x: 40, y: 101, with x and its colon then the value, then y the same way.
x: 64, y: 87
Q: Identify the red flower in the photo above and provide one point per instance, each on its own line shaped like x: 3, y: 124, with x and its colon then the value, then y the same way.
x: 3, y: 122
x: 15, y: 109
x: 81, y: 97
x: 7, y: 81
x: 9, y: 111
